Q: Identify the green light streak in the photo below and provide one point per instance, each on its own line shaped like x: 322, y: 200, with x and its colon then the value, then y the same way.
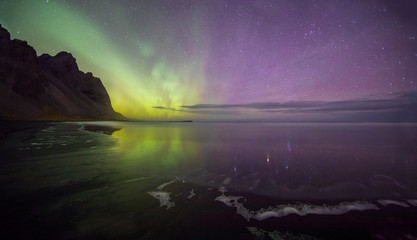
x: 135, y: 72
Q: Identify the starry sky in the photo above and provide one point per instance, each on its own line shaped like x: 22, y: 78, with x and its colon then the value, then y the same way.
x: 236, y: 59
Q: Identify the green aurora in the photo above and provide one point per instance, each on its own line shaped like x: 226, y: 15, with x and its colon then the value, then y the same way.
x: 235, y: 59
x: 136, y: 73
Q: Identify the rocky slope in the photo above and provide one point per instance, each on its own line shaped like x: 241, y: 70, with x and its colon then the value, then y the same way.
x: 48, y: 87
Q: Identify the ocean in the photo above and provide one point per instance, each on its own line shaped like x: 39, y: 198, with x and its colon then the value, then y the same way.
x: 195, y: 180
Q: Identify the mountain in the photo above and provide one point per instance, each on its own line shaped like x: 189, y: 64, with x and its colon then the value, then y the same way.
x: 48, y: 87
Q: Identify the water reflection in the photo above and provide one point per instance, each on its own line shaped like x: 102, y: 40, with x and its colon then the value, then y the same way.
x: 156, y: 148
x: 270, y: 159
x: 87, y: 184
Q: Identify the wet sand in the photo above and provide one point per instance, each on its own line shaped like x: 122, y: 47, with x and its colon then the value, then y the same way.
x: 63, y: 182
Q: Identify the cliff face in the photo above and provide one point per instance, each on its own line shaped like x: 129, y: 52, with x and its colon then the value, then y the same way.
x: 48, y: 87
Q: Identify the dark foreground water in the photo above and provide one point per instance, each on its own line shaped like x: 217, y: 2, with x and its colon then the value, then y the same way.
x: 208, y: 181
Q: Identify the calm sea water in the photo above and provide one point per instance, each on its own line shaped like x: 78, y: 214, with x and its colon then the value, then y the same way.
x: 208, y: 180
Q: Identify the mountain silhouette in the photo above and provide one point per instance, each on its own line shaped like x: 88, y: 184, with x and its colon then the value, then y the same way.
x: 48, y: 87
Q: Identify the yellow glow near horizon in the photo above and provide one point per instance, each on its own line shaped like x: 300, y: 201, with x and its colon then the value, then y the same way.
x: 135, y: 73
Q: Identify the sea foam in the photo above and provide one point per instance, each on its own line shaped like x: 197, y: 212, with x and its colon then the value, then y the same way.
x: 300, y: 209
x: 163, y: 197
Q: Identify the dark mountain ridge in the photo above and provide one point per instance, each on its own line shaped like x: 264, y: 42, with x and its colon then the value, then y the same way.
x: 48, y: 87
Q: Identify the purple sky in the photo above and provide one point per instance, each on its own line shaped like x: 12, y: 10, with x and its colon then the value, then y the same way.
x: 309, y: 50
x: 168, y: 54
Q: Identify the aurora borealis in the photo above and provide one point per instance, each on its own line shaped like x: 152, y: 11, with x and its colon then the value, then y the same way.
x: 234, y: 59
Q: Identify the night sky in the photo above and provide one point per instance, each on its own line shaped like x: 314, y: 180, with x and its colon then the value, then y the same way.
x: 236, y: 59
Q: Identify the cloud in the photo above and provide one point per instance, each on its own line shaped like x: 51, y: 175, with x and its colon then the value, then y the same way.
x: 261, y: 105
x: 164, y: 108
x: 398, y: 100
x: 197, y: 111
x: 393, y: 107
